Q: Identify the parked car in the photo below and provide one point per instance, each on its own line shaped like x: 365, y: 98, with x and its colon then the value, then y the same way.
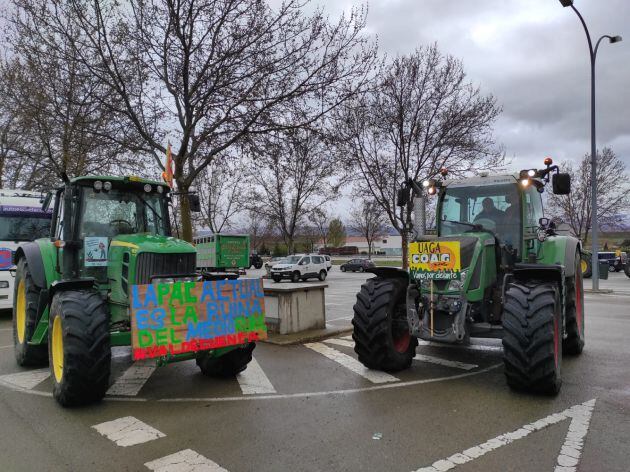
x: 272, y: 262
x: 328, y: 262
x: 615, y: 262
x: 357, y: 265
x: 300, y: 267
x: 255, y: 260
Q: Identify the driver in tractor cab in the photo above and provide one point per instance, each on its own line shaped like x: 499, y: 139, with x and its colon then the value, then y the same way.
x: 490, y: 212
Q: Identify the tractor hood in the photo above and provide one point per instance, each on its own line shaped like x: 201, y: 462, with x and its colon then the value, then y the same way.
x: 147, y: 242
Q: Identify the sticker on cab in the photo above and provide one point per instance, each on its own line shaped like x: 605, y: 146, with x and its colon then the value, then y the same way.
x: 96, y: 251
x: 435, y: 260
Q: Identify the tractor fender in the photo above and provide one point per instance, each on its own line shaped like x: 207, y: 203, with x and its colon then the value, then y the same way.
x: 389, y: 272
x: 72, y: 284
x: 573, y: 245
x: 35, y: 261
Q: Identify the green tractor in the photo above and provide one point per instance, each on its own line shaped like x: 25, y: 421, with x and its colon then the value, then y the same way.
x: 72, y: 289
x: 496, y: 269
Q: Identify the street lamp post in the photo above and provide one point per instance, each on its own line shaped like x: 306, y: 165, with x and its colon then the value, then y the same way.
x: 594, y: 223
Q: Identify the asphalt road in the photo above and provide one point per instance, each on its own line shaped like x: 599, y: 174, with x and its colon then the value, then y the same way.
x: 309, y: 408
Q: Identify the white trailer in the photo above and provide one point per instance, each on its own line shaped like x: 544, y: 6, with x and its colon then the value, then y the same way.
x: 21, y: 220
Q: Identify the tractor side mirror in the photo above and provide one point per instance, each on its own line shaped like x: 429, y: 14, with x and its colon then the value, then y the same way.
x: 402, y: 197
x: 194, y: 202
x: 46, y: 202
x: 543, y: 222
x: 561, y: 184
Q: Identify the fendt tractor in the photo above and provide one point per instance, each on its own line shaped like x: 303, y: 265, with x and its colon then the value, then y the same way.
x: 496, y: 269
x: 72, y: 300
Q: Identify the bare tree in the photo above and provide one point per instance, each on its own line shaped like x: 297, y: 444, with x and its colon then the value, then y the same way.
x: 223, y: 193
x: 321, y: 221
x: 612, y: 193
x: 209, y: 74
x: 370, y: 221
x: 293, y: 175
x: 421, y: 115
x: 259, y: 229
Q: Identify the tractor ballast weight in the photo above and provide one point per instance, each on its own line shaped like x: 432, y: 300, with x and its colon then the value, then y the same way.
x: 72, y: 290
x: 496, y: 269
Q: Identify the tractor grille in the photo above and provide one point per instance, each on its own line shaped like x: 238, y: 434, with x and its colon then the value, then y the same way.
x: 150, y: 264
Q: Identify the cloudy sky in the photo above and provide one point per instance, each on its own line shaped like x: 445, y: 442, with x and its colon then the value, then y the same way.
x: 533, y: 56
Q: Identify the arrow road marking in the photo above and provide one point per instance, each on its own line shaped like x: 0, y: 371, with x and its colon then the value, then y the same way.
x: 253, y: 380
x: 184, y: 461
x: 569, y: 454
x: 128, y: 431
x: 351, y: 363
x: 26, y: 380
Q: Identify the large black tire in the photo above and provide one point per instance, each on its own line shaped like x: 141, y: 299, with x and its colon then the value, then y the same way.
x: 83, y: 376
x: 532, y: 338
x: 258, y: 265
x: 586, y: 266
x: 227, y: 365
x: 574, y: 313
x: 381, y: 332
x: 25, y: 305
x: 322, y: 275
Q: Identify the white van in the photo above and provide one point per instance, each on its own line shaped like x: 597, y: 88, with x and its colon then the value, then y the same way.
x: 300, y: 267
x: 21, y: 220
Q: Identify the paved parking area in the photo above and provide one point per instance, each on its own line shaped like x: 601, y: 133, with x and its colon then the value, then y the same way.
x: 313, y: 407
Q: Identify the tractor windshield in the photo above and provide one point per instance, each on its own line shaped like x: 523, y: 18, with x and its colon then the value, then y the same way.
x: 496, y: 208
x: 118, y: 211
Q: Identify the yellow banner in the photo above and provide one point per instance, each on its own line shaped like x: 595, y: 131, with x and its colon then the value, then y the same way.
x: 435, y: 257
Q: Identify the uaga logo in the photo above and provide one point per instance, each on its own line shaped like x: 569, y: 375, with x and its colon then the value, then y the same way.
x: 435, y: 259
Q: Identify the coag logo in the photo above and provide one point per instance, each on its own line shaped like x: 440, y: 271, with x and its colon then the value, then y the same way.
x: 436, y: 256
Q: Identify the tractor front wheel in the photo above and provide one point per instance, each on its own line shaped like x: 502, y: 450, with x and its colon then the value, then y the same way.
x: 381, y: 333
x: 532, y: 339
x: 227, y: 365
x: 25, y: 306
x: 586, y: 266
x: 574, y: 342
x: 79, y: 347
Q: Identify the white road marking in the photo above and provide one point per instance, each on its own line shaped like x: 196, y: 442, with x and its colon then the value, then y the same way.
x: 26, y: 380
x: 128, y: 431
x: 131, y: 382
x: 184, y: 461
x: 351, y: 363
x: 472, y: 347
x: 348, y: 338
x: 121, y: 351
x: 7, y: 346
x: 570, y: 453
x: 340, y: 342
x: 253, y: 380
x: 444, y: 362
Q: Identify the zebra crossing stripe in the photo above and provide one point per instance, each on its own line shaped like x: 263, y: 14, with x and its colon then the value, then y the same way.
x: 253, y: 380
x: 444, y: 362
x: 184, y: 461
x: 128, y: 431
x: 340, y: 342
x: 352, y: 364
x: 26, y: 380
x: 131, y: 382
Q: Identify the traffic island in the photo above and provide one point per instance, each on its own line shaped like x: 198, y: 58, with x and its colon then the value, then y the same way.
x: 296, y: 312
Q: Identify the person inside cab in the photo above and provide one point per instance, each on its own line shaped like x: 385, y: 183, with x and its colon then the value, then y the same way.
x: 490, y: 212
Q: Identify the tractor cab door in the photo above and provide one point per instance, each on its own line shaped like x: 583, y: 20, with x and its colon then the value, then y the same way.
x: 532, y: 213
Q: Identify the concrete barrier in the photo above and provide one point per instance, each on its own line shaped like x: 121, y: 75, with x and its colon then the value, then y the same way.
x: 291, y: 308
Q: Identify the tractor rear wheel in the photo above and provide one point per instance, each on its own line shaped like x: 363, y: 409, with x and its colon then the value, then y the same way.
x: 79, y: 346
x: 574, y: 342
x: 532, y: 339
x: 26, y: 296
x: 227, y: 365
x: 381, y: 333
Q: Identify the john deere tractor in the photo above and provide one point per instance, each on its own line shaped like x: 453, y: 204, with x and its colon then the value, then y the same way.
x: 72, y: 289
x: 496, y: 269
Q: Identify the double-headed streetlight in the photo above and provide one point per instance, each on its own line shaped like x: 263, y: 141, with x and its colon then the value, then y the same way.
x: 594, y: 225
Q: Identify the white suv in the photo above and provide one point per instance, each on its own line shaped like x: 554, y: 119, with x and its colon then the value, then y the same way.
x: 300, y: 267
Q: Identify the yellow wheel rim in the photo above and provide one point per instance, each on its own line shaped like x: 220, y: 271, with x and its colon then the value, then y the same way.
x: 20, y: 312
x: 57, y: 349
x: 583, y: 265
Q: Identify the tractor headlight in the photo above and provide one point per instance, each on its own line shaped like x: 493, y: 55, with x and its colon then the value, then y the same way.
x: 107, y: 186
x: 147, y: 188
x: 458, y: 284
x: 98, y: 185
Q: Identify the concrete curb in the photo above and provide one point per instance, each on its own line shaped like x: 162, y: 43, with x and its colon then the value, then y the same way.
x: 601, y: 290
x: 307, y: 336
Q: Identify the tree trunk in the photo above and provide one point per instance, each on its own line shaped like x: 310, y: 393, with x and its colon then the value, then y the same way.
x: 184, y: 210
x: 403, y: 235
